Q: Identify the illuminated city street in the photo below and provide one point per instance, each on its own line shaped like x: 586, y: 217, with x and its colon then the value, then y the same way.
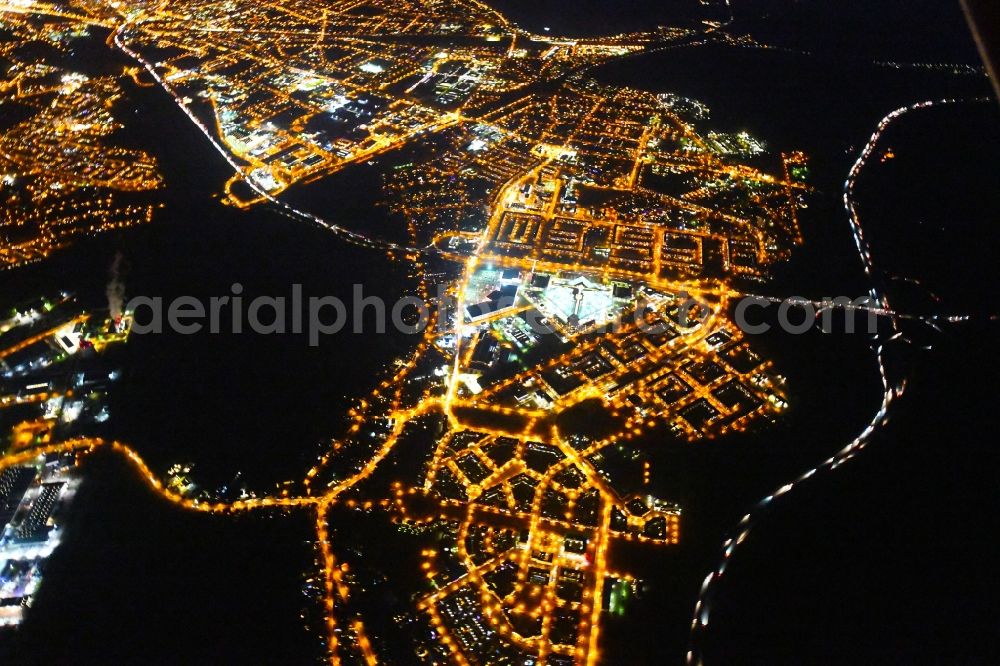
x: 585, y: 251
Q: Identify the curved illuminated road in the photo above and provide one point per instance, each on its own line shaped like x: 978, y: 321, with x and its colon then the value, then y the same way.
x: 892, y: 388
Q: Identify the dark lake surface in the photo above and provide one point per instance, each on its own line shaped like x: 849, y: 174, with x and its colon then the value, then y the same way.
x: 259, y: 404
x: 853, y: 572
x: 138, y: 581
x: 593, y: 19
